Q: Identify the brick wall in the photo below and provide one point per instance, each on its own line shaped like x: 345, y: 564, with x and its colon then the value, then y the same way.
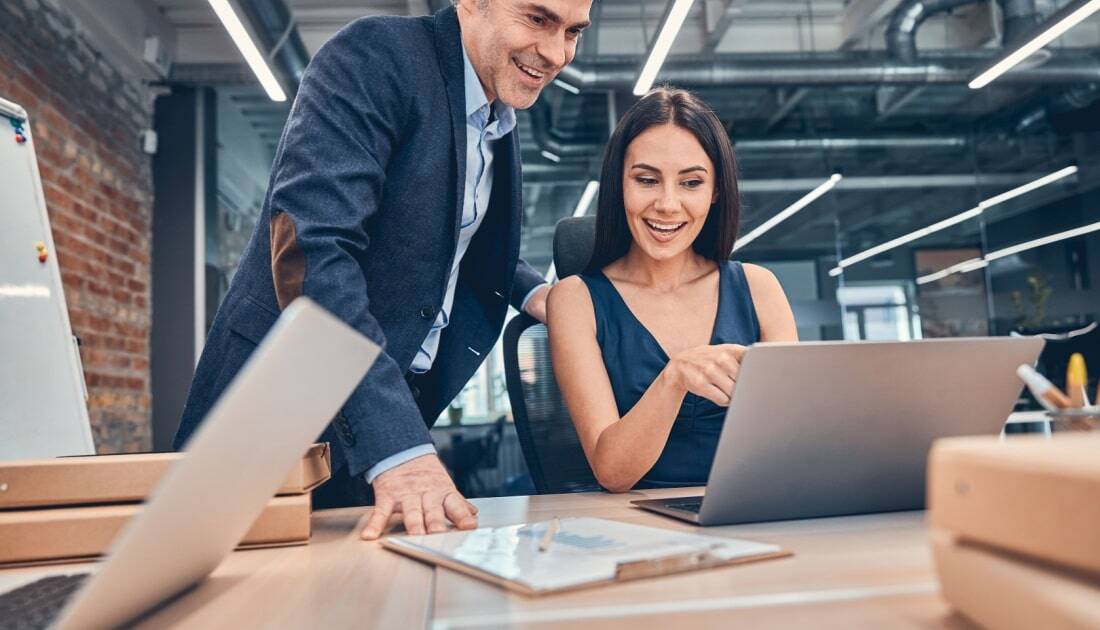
x: 86, y: 120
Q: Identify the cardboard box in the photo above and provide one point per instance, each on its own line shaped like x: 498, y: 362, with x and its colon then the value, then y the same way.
x: 1000, y: 590
x: 127, y: 478
x: 1036, y: 496
x: 81, y: 533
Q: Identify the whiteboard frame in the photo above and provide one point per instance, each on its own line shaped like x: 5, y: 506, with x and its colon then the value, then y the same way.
x: 11, y: 110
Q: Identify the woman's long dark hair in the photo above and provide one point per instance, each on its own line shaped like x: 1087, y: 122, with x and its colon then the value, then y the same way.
x: 659, y: 107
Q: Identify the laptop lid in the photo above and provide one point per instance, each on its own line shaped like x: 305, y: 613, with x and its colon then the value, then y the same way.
x: 282, y: 399
x: 830, y: 428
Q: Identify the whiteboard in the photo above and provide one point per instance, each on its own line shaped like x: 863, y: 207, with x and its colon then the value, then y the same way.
x: 43, y: 408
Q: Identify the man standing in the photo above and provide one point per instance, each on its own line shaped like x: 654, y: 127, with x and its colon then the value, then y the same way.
x: 395, y: 203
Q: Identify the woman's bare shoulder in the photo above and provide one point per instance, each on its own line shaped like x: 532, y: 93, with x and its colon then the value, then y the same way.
x: 569, y: 301
x: 761, y: 279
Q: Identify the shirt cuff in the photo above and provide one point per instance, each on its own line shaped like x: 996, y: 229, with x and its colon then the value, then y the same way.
x: 393, y: 461
x: 530, y: 294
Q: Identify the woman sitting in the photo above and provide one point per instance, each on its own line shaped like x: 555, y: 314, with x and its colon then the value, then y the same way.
x: 647, y: 343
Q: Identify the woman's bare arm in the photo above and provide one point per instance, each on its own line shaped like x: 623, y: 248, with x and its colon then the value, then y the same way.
x: 620, y: 450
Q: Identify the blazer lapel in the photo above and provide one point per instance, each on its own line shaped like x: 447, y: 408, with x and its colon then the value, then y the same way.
x: 448, y: 44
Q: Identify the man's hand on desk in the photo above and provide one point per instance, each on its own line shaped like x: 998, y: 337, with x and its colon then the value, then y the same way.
x: 421, y: 493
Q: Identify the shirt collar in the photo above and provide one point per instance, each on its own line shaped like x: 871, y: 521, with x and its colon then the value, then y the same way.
x: 476, y: 101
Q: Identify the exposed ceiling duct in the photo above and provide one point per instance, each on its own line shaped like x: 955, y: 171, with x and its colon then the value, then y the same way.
x: 901, y: 34
x: 1065, y: 67
x: 273, y: 22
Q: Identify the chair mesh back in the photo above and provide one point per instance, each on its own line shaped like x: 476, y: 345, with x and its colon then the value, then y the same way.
x: 546, y: 434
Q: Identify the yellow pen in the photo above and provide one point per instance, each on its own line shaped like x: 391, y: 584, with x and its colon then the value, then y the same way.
x: 1077, y: 377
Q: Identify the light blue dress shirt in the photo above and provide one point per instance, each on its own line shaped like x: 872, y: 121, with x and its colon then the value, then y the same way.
x: 481, y: 134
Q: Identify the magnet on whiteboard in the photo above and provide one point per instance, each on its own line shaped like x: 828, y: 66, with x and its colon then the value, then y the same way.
x: 42, y: 256
x: 40, y: 246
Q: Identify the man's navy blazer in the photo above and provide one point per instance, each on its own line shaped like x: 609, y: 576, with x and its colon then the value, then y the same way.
x: 362, y: 215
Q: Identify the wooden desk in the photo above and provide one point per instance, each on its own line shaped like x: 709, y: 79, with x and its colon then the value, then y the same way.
x: 861, y: 571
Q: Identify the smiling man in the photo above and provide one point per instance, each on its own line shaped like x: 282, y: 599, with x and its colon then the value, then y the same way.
x: 395, y: 202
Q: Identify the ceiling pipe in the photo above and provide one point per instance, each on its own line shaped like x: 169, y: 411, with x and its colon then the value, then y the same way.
x: 901, y: 34
x: 282, y: 44
x: 901, y: 44
x: 828, y: 70
x: 1020, y: 19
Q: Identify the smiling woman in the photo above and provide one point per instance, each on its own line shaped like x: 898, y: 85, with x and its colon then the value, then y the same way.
x: 647, y: 343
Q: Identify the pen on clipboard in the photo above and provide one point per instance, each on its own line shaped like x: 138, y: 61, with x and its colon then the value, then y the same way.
x: 548, y: 536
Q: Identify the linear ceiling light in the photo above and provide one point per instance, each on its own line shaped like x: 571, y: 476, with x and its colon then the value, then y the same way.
x: 953, y: 220
x: 586, y: 198
x: 550, y: 156
x: 809, y: 198
x: 978, y: 263
x: 1066, y: 18
x: 568, y: 87
x: 963, y: 267
x: 251, y: 53
x: 669, y: 30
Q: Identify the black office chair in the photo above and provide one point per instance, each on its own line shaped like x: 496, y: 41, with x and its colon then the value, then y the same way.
x: 546, y: 434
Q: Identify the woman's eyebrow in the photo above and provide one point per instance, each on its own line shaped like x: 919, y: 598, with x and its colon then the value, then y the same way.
x: 647, y: 167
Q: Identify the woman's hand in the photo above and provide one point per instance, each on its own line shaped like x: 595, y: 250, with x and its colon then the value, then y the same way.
x: 707, y: 371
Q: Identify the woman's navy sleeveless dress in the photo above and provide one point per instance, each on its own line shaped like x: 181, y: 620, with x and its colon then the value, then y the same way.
x: 634, y: 359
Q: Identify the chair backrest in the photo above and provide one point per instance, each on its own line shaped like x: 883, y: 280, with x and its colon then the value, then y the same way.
x: 546, y: 434
x: 574, y: 239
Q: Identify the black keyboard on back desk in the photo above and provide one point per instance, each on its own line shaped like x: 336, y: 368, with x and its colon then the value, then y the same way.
x: 36, y: 605
x: 687, y: 505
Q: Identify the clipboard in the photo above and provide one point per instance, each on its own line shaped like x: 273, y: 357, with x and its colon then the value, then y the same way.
x: 585, y: 552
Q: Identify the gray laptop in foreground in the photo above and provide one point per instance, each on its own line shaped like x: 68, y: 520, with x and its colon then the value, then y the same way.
x: 284, y: 396
x: 833, y: 428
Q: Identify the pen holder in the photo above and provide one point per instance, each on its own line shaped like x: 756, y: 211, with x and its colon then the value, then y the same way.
x: 1083, y: 419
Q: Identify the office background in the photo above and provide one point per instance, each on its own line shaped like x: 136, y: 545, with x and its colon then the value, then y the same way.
x: 155, y: 139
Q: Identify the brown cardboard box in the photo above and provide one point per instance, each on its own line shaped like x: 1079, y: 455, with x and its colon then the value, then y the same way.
x: 79, y: 533
x: 999, y: 590
x: 1036, y: 496
x: 121, y: 478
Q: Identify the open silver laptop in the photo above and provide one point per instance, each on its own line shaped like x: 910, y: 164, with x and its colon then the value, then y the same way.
x: 284, y: 396
x: 832, y: 428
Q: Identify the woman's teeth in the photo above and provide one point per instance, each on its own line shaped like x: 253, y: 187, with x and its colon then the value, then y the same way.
x: 664, y: 228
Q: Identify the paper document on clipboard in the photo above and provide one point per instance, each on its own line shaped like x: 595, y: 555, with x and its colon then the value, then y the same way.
x: 584, y: 552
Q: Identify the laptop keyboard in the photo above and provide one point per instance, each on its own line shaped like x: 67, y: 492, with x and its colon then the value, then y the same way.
x: 36, y: 605
x: 687, y: 505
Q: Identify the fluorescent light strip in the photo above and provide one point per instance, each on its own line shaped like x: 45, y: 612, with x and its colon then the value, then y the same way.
x: 586, y: 198
x: 901, y: 240
x: 1026, y: 188
x: 550, y: 156
x: 669, y: 30
x: 809, y: 198
x: 248, y: 49
x: 978, y: 263
x: 1039, y: 242
x: 963, y: 267
x: 567, y: 87
x: 1057, y: 28
x: 958, y: 218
